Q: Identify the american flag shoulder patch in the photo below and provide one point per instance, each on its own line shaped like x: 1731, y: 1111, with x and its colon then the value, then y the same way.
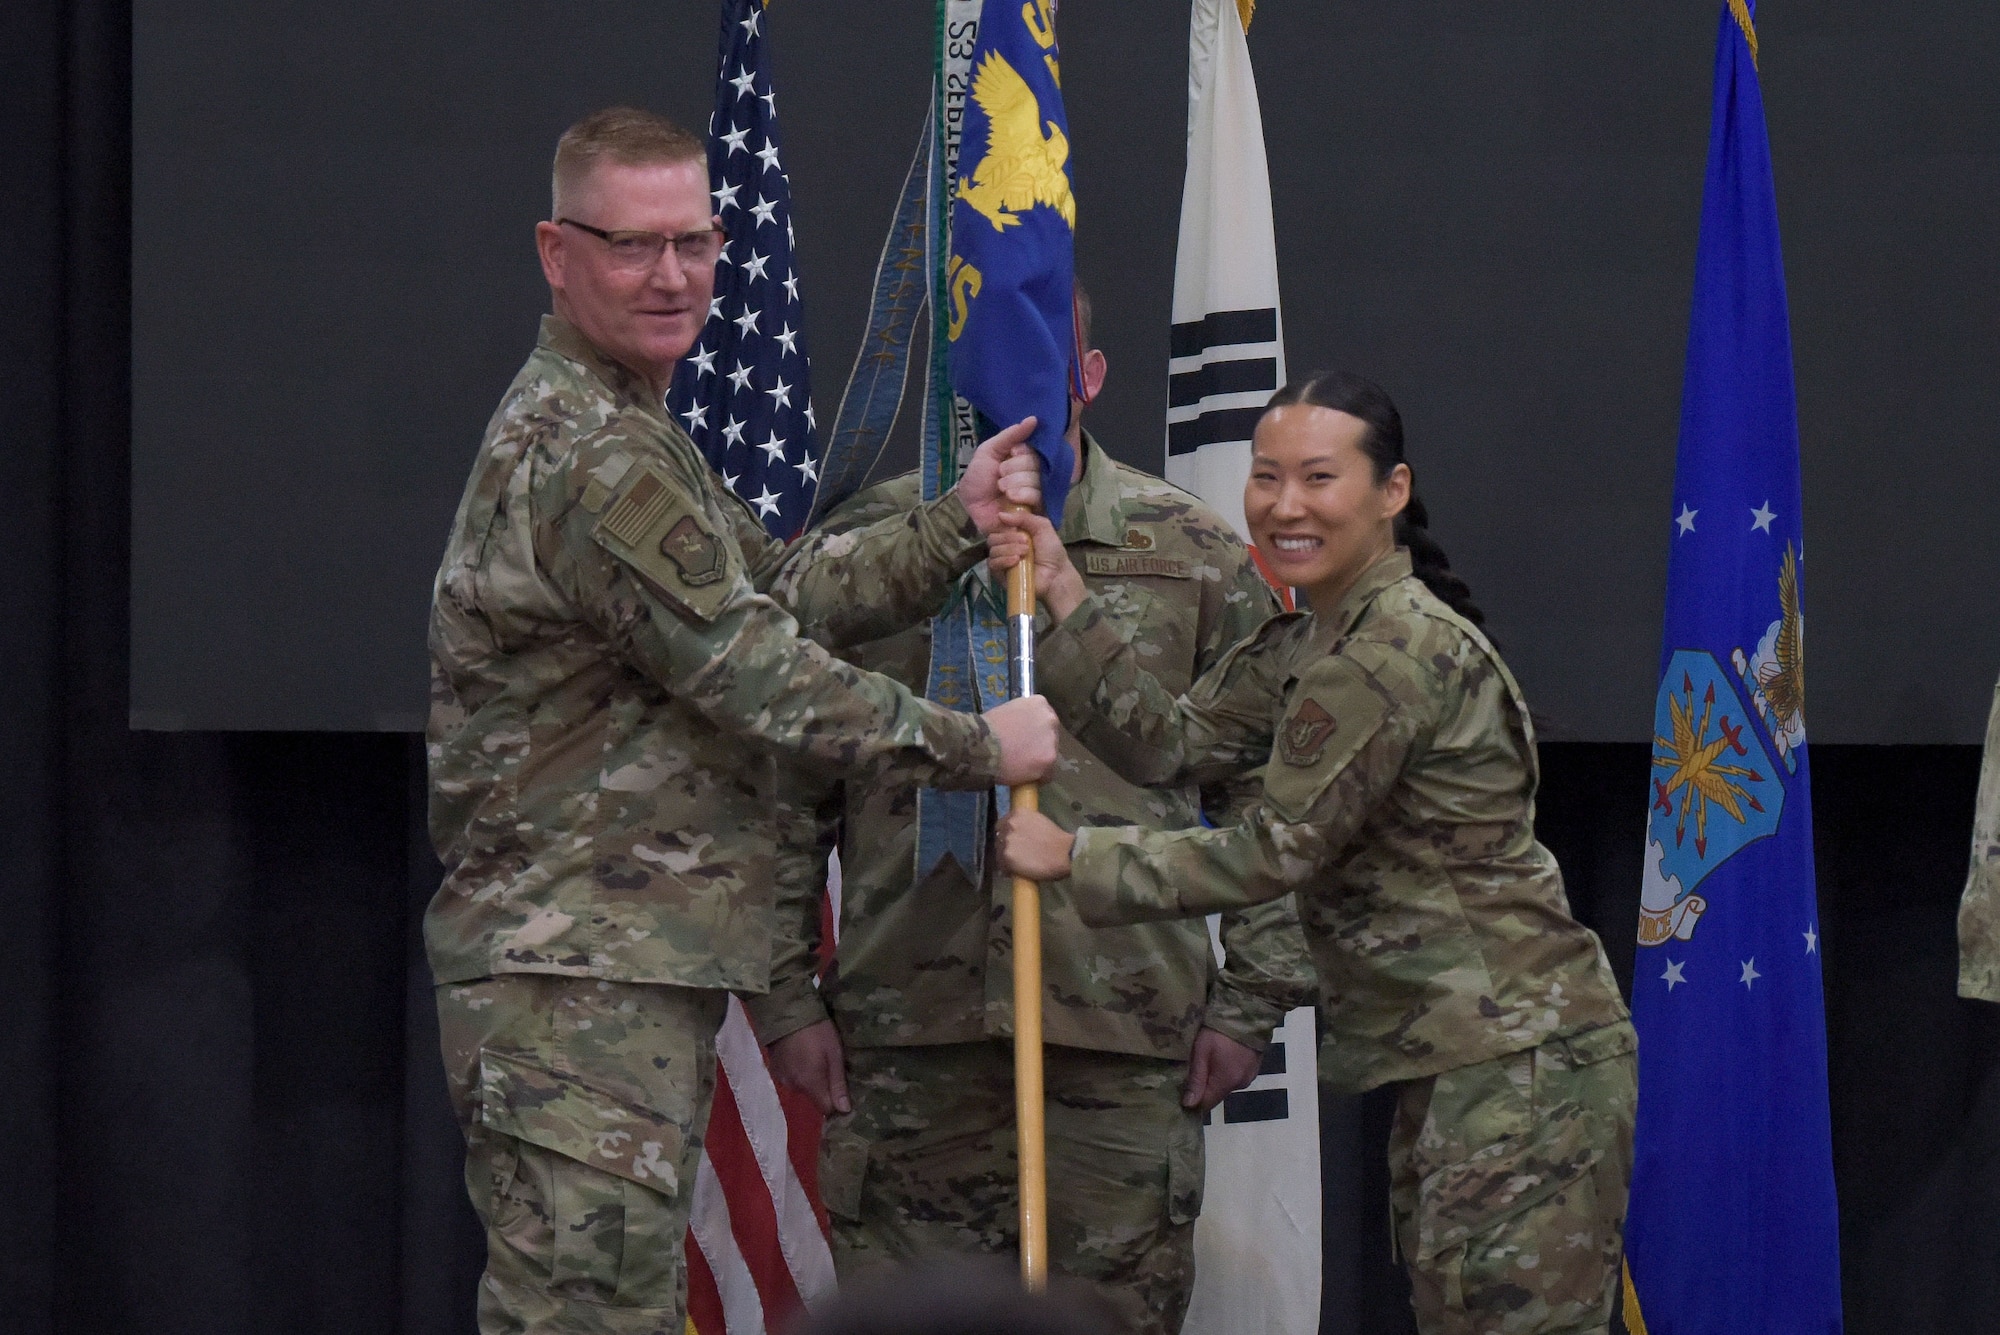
x: 644, y: 501
x: 665, y: 536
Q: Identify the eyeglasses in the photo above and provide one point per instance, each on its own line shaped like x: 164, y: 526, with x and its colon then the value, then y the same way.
x: 641, y: 250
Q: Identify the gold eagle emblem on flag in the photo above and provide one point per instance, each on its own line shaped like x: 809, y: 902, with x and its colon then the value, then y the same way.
x: 1021, y: 167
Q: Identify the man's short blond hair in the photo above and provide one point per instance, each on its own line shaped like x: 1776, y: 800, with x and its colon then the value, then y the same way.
x: 628, y: 136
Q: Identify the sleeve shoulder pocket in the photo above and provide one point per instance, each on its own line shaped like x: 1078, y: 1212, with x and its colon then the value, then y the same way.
x: 669, y: 540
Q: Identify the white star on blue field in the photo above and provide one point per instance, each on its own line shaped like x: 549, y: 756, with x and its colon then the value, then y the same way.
x: 744, y: 393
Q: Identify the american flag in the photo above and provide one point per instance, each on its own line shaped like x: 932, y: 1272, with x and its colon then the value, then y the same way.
x: 757, y: 1246
x: 757, y: 1250
x: 744, y: 393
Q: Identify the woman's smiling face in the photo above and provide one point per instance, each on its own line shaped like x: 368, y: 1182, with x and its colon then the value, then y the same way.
x: 1315, y: 507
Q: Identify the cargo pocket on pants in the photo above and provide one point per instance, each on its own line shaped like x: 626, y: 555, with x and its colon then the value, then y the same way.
x: 843, y: 1169
x: 1462, y: 1203
x: 1187, y: 1171
x: 1471, y: 1215
x: 593, y: 1201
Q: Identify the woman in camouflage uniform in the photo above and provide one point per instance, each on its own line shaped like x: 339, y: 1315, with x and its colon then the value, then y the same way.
x: 1398, y: 802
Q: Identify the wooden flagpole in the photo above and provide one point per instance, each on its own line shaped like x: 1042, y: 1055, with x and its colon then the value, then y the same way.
x: 1028, y: 1099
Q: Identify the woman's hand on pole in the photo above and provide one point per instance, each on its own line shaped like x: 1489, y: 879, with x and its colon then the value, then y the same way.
x: 1034, y: 846
x: 1003, y: 471
x: 1056, y: 580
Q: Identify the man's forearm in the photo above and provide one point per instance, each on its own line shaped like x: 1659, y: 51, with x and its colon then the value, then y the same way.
x: 869, y: 583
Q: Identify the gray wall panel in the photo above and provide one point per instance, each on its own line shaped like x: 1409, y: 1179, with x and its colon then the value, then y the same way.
x: 1490, y: 208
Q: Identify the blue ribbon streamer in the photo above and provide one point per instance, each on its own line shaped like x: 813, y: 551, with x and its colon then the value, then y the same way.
x: 879, y: 380
x: 969, y: 658
x: 968, y: 670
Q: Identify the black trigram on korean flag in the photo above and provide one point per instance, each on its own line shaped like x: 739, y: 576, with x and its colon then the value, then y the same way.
x: 1226, y: 354
x: 1223, y: 369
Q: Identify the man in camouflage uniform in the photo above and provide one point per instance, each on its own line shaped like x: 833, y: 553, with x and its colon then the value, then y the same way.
x: 1397, y: 805
x: 611, y: 693
x: 1145, y: 1032
x: 1979, y: 911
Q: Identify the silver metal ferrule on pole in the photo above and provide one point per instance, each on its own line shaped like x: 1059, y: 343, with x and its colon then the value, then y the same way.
x: 1022, y: 633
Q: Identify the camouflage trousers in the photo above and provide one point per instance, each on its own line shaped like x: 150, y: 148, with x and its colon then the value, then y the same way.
x: 583, y: 1104
x: 926, y: 1164
x: 1507, y: 1186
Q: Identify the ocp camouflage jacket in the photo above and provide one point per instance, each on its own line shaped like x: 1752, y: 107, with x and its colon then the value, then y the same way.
x: 932, y: 963
x: 1398, y: 804
x: 611, y: 691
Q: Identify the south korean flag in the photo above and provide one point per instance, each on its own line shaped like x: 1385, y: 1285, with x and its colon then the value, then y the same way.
x: 1257, y: 1244
x: 1228, y: 349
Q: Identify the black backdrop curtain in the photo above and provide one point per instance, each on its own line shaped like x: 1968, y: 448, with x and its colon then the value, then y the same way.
x: 225, y: 1112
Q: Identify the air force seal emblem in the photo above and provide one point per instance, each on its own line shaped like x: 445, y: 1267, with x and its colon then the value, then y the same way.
x: 1715, y: 791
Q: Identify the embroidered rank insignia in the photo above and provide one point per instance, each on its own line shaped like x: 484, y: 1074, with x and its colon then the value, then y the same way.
x: 695, y: 552
x: 1306, y: 733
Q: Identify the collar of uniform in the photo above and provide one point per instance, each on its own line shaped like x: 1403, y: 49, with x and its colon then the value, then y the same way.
x: 1395, y: 566
x: 1095, y: 511
x: 566, y: 340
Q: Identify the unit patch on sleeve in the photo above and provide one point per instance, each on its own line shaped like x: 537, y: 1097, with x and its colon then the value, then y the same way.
x: 664, y: 535
x: 695, y: 552
x: 1305, y: 734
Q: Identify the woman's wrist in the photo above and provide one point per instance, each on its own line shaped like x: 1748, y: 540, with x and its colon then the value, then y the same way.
x: 1064, y: 595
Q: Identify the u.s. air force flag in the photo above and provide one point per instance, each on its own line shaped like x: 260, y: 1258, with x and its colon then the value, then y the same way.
x: 1732, y: 1225
x: 1011, y: 276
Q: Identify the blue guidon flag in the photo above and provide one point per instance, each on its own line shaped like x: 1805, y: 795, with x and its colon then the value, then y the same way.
x: 1732, y: 1224
x: 744, y: 392
x: 1010, y: 278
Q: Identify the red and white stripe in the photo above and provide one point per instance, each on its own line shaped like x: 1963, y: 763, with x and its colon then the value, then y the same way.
x: 757, y: 1249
